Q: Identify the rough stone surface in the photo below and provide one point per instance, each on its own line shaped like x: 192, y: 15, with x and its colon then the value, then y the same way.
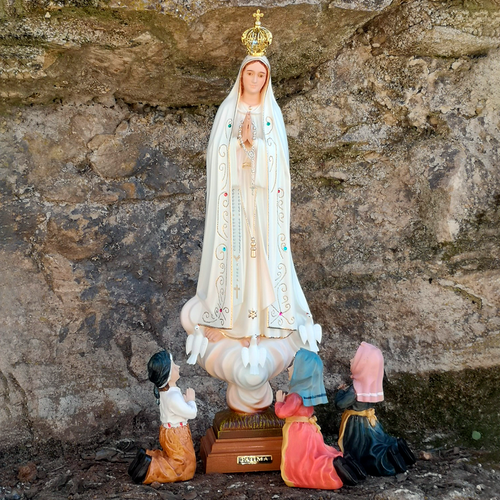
x: 392, y: 112
x: 453, y: 475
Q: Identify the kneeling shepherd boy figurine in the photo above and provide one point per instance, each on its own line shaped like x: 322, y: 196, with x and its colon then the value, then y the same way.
x: 177, y: 460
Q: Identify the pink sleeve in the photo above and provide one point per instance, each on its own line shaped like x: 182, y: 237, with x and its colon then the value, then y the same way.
x: 292, y: 403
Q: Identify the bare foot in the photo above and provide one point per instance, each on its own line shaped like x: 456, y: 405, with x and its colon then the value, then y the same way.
x: 213, y: 334
x: 246, y: 342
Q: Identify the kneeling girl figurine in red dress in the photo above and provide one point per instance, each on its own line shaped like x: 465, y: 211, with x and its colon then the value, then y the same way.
x: 306, y: 461
x: 176, y: 461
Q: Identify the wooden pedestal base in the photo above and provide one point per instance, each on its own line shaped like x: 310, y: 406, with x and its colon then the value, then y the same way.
x: 240, y: 454
x: 242, y: 443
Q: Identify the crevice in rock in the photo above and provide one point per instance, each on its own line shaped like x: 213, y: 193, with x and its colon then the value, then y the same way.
x: 23, y: 404
x: 5, y: 394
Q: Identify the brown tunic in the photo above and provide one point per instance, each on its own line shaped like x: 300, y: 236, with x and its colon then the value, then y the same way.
x: 176, y: 461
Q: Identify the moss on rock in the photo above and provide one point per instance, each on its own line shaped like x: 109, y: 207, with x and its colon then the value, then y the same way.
x: 445, y: 408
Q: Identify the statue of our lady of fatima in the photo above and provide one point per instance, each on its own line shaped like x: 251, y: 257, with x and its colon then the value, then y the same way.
x: 249, y: 315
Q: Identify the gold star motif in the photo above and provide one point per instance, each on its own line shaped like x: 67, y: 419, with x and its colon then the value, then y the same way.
x: 252, y: 314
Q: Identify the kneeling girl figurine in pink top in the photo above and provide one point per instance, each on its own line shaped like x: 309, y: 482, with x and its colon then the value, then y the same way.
x: 361, y: 434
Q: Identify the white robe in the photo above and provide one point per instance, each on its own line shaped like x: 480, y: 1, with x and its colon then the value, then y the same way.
x: 174, y: 410
x: 243, y: 297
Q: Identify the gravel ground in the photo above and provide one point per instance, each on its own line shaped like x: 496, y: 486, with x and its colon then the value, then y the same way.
x: 102, y: 474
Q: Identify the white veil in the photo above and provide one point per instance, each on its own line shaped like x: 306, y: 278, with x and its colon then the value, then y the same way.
x: 215, y: 281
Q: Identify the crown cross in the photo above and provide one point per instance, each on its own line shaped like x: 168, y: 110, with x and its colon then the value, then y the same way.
x: 257, y: 16
x: 258, y: 38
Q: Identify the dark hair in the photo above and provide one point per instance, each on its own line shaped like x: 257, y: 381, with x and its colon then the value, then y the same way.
x: 159, y: 367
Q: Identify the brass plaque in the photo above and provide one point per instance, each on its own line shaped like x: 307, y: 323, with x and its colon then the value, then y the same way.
x: 254, y: 459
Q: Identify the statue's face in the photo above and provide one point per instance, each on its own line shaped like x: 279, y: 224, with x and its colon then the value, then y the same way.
x: 254, y: 78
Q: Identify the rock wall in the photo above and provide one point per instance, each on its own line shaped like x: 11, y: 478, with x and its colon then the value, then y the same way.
x: 392, y: 112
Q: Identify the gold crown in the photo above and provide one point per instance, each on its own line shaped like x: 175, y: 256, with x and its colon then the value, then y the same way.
x: 258, y: 38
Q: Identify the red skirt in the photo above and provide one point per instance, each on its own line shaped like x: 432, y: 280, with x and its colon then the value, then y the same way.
x: 306, y: 461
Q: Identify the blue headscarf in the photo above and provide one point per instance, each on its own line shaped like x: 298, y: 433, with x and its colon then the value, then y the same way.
x: 307, y: 378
